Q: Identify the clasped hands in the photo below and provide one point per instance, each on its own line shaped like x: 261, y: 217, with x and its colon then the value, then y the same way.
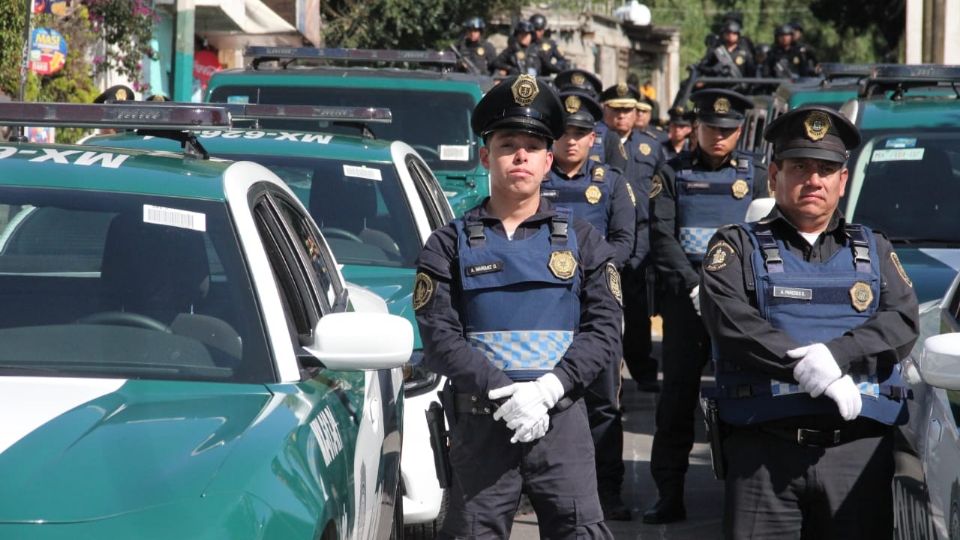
x: 818, y: 374
x: 526, y: 412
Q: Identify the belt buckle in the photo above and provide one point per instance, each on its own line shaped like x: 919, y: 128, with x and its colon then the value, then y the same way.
x: 802, y: 435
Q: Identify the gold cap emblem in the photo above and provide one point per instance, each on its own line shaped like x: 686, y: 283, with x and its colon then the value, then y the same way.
x: 593, y: 195
x: 740, y: 189
x: 422, y: 291
x: 622, y: 90
x: 578, y: 79
x: 721, y: 105
x: 861, y: 295
x: 525, y: 90
x: 562, y: 264
x: 816, y: 124
x: 645, y: 149
x: 120, y: 94
x: 572, y: 104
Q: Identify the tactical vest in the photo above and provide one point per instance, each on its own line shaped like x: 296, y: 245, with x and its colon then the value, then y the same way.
x: 708, y: 200
x: 588, y: 196
x: 812, y: 303
x: 520, y: 301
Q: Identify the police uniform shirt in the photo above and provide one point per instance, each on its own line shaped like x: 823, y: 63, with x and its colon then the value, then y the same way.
x: 517, y: 60
x: 741, y: 56
x: 672, y: 264
x: 669, y: 153
x: 551, y: 61
x: 597, y: 339
x: 644, y: 157
x: 791, y: 59
x: 622, y: 214
x: 479, y: 53
x: 740, y: 332
x: 614, y: 154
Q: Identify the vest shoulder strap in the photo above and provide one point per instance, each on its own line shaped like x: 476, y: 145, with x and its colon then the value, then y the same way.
x: 861, y: 246
x: 559, y: 226
x: 475, y: 234
x: 744, y: 163
x: 768, y: 247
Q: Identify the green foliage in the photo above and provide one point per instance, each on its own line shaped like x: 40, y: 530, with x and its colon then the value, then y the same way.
x: 127, y: 25
x: 403, y: 24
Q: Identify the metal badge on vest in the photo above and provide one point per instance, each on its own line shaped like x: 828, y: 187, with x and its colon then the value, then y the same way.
x: 520, y: 301
x: 813, y: 303
x: 708, y: 200
x: 588, y: 196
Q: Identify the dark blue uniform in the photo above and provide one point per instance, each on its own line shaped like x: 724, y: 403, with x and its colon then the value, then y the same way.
x: 499, y: 311
x: 608, y: 149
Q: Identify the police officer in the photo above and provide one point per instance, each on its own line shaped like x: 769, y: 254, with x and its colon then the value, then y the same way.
x: 692, y: 196
x: 599, y: 195
x: 678, y: 132
x: 606, y: 145
x: 809, y: 316
x: 646, y: 111
x: 785, y: 60
x: 517, y: 303
x: 551, y: 59
x: 806, y: 51
x: 730, y: 57
x: 519, y: 57
x: 117, y: 92
x: 644, y: 156
x: 476, y: 53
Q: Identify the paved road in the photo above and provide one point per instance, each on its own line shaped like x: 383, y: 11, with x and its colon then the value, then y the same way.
x: 704, y: 495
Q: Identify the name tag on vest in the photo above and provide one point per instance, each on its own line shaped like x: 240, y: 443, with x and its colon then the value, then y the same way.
x: 697, y: 185
x: 549, y: 193
x: 792, y: 292
x: 486, y: 268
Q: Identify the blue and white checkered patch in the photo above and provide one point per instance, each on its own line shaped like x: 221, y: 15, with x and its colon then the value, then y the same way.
x: 523, y: 350
x: 867, y: 384
x: 694, y: 240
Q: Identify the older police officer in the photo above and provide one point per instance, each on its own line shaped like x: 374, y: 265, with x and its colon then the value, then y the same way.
x: 517, y: 303
x: 809, y: 317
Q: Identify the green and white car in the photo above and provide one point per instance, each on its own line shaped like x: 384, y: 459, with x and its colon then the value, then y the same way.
x: 179, y: 355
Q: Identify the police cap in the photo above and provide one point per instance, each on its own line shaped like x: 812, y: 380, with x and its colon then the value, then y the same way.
x: 157, y: 97
x: 620, y: 96
x: 117, y: 92
x: 578, y: 79
x: 783, y: 30
x: 796, y: 25
x: 812, y: 131
x: 474, y: 23
x: 644, y: 103
x: 720, y: 108
x: 580, y: 109
x: 523, y: 27
x: 520, y: 103
x: 731, y: 27
x: 680, y: 115
x: 538, y: 21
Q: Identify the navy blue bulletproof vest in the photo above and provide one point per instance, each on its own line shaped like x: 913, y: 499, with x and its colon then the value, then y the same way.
x: 597, y: 151
x: 520, y: 301
x: 813, y: 303
x: 708, y: 200
x: 587, y: 196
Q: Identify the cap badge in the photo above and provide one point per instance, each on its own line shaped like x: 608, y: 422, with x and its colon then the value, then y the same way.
x: 861, y: 296
x: 593, y: 195
x: 721, y: 105
x: 679, y: 110
x: 816, y: 125
x: 645, y: 149
x: 622, y: 89
x: 572, y: 104
x: 525, y: 90
x: 578, y: 79
x: 120, y: 94
x: 562, y: 264
x: 740, y: 189
x: 480, y: 51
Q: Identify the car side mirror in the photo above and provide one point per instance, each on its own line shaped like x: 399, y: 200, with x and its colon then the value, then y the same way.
x: 940, y: 363
x: 361, y: 341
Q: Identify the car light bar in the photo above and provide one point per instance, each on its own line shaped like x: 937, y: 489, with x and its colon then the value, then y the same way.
x: 265, y: 54
x: 310, y: 112
x: 122, y: 115
x: 834, y: 70
x: 927, y: 73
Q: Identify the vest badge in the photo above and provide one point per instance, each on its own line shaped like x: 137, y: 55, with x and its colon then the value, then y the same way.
x: 480, y: 51
x: 861, y: 295
x: 593, y: 195
x: 645, y: 149
x: 562, y: 264
x: 740, y: 189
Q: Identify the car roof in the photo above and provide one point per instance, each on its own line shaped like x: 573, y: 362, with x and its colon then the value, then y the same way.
x: 111, y: 169
x: 355, y: 77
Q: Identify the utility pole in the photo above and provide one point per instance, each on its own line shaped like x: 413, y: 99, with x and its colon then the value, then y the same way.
x: 183, y: 51
x: 25, y: 57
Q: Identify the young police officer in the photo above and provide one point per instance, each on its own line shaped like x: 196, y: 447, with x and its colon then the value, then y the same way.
x: 599, y: 195
x: 809, y: 316
x: 517, y: 304
x: 692, y: 196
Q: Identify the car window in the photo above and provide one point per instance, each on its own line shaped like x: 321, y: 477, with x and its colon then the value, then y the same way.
x: 432, y: 197
x: 127, y: 286
x: 445, y: 140
x: 907, y: 184
x: 361, y: 208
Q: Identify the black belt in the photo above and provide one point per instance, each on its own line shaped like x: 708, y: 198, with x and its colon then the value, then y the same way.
x: 480, y: 405
x: 825, y: 438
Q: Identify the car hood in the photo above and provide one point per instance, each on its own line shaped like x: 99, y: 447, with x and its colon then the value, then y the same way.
x: 394, y: 285
x: 930, y: 269
x: 78, y: 450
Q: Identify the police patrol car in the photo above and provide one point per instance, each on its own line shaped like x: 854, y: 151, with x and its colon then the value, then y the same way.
x: 376, y: 203
x: 431, y: 109
x: 179, y: 355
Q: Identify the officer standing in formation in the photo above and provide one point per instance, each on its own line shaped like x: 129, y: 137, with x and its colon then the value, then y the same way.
x: 785, y: 59
x: 607, y: 147
x: 475, y: 52
x: 551, y: 59
x: 519, y: 57
x: 729, y: 57
x: 515, y: 375
x: 644, y: 156
x: 692, y: 196
x: 809, y: 316
x: 597, y: 194
x: 678, y: 132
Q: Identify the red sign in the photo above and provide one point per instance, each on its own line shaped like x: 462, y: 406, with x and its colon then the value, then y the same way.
x: 205, y: 64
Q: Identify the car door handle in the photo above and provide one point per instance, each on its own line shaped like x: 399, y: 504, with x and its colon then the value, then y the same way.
x: 935, y: 435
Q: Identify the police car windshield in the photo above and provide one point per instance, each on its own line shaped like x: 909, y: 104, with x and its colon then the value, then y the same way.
x: 436, y: 124
x: 360, y: 207
x: 907, y: 185
x: 125, y: 286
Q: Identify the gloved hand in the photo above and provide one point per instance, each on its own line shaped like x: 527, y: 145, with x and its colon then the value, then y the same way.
x: 527, y: 398
x: 695, y: 298
x: 530, y: 431
x: 847, y: 397
x: 816, y: 370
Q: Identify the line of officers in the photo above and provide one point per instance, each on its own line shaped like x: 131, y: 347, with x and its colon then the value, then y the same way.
x: 529, y: 50
x: 732, y: 54
x: 528, y: 303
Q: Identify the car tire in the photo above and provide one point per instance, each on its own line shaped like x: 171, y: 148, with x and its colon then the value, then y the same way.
x: 427, y: 531
x: 954, y: 523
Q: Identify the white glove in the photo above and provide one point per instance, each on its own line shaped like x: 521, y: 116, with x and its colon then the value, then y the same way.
x: 532, y: 431
x: 847, y: 396
x: 816, y: 370
x: 695, y: 298
x: 527, y: 398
